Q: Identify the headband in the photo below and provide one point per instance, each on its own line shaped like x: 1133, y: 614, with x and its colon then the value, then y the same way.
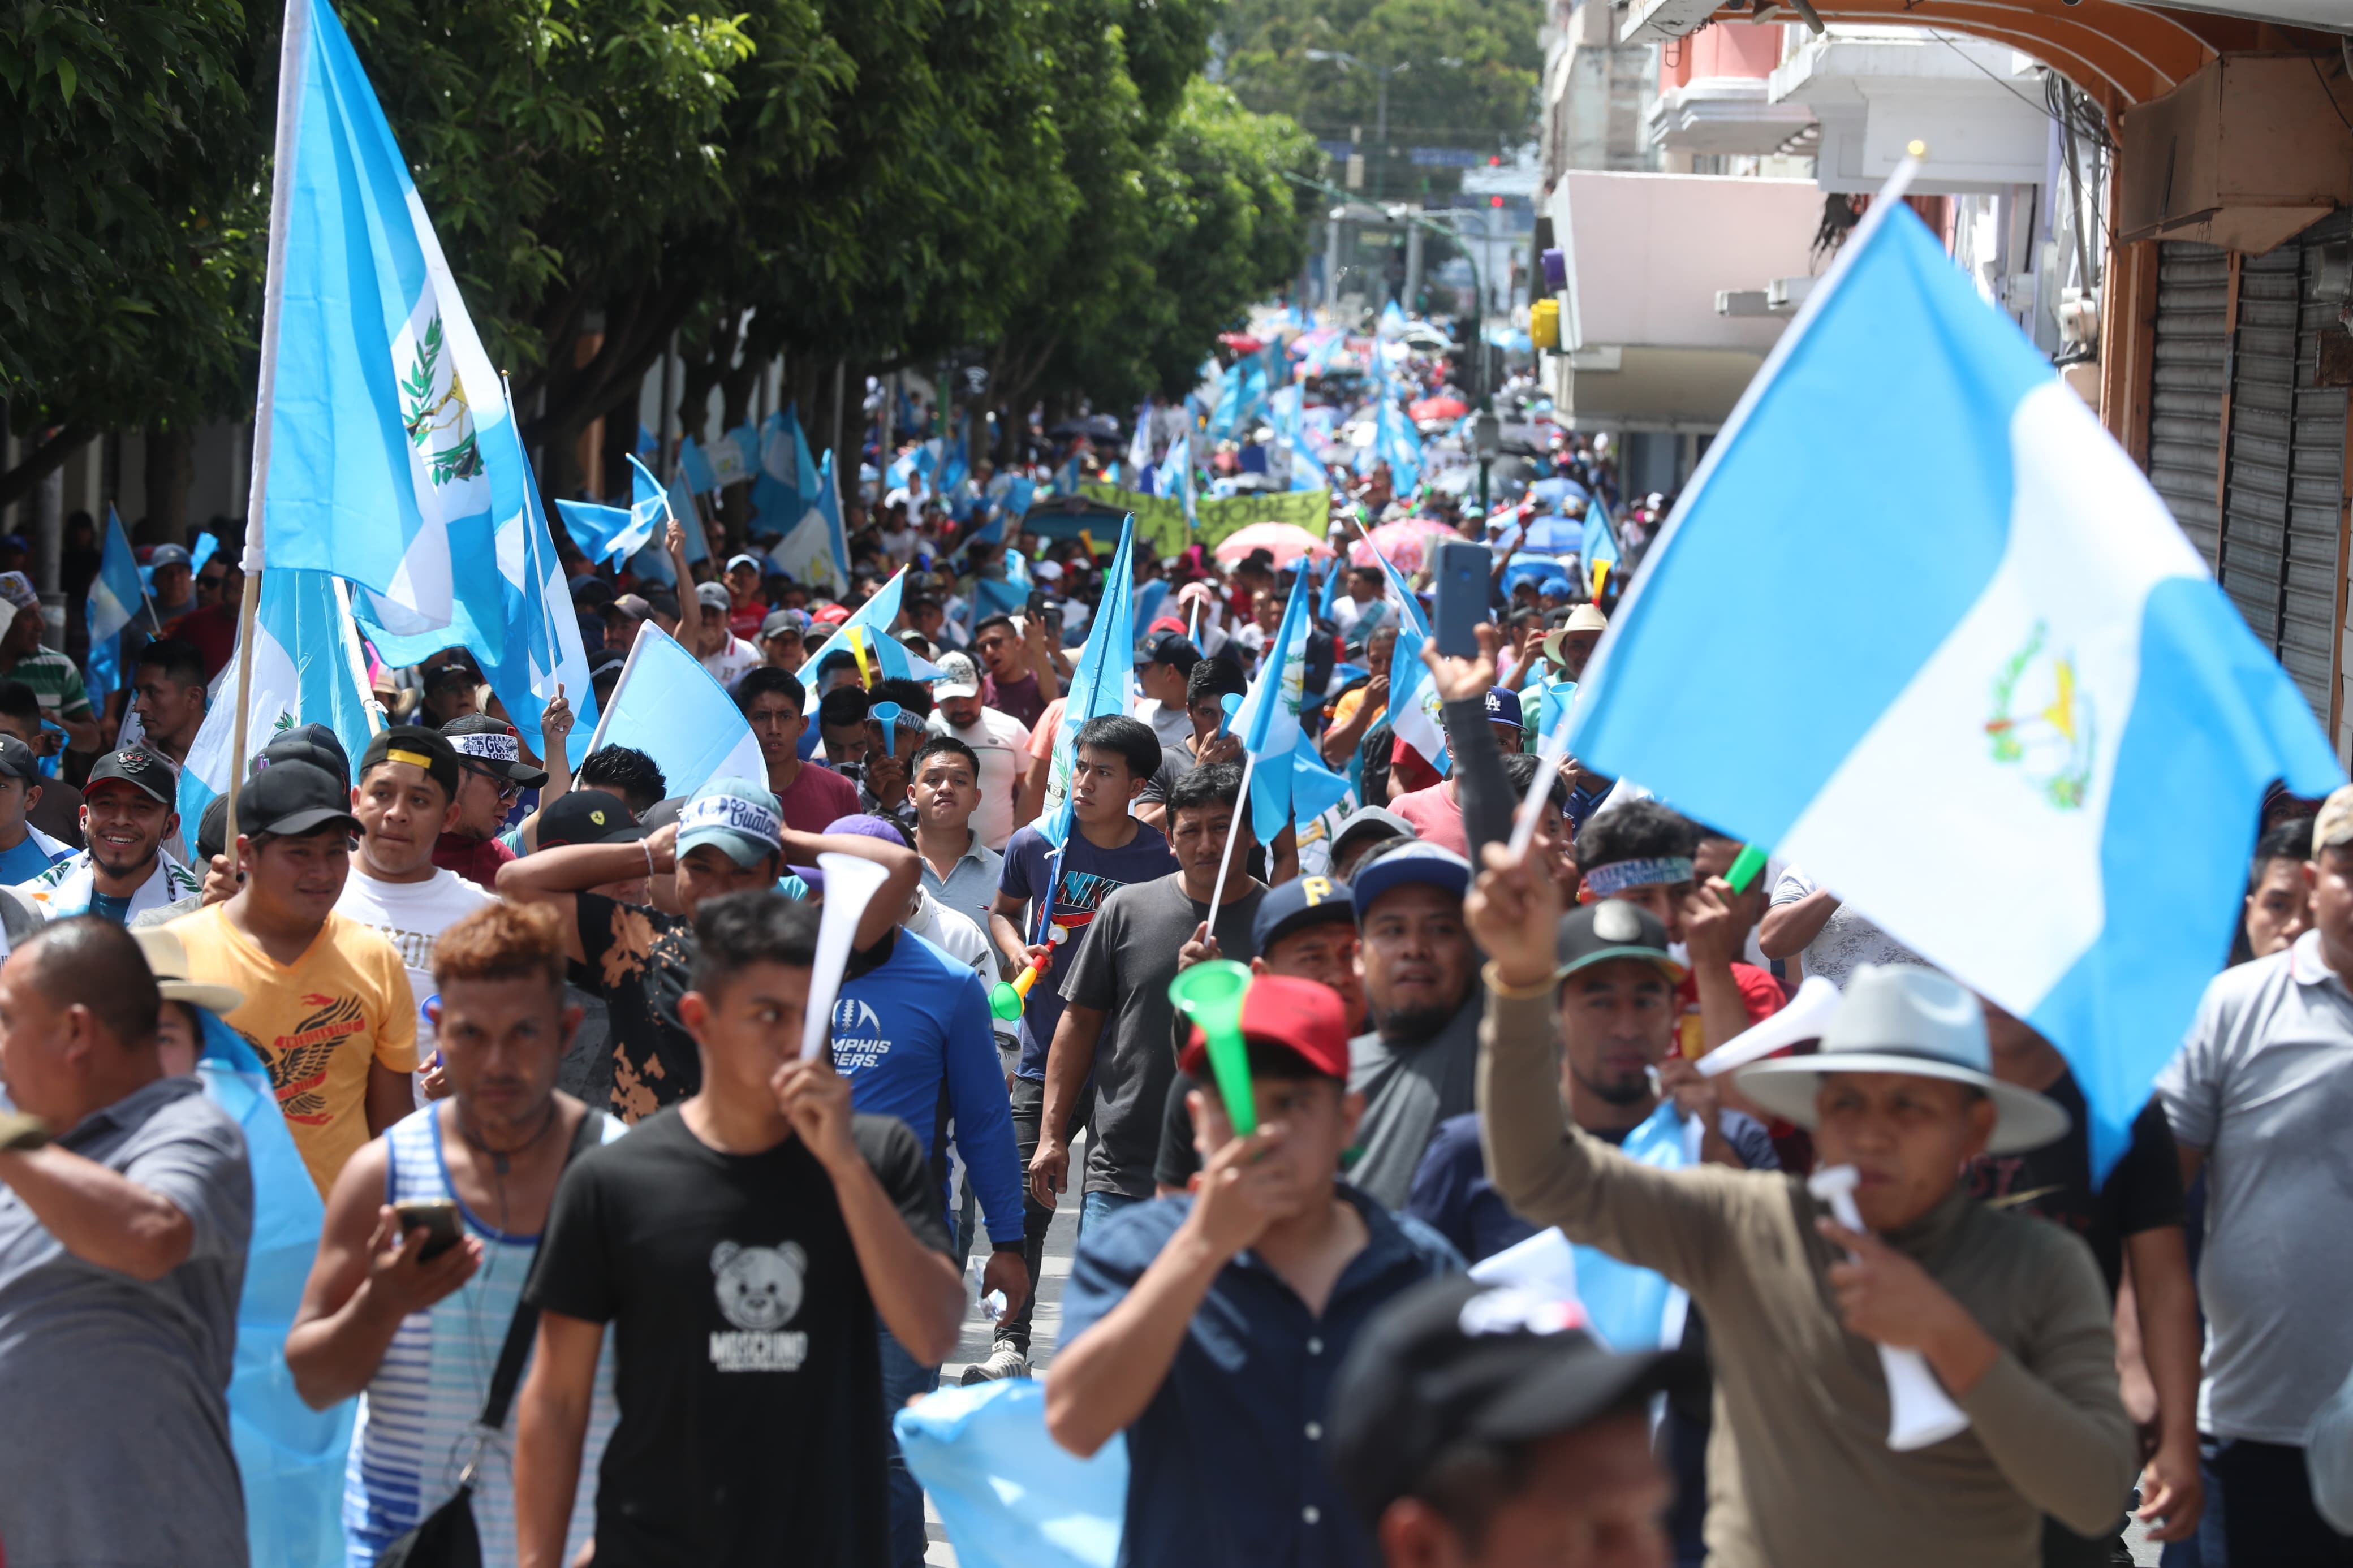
x: 733, y: 814
x: 1607, y: 881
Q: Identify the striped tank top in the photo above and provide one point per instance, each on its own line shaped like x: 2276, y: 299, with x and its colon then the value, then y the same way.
x: 416, y: 1419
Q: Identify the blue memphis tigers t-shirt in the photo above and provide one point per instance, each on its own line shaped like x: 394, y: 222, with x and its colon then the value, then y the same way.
x: 1089, y: 876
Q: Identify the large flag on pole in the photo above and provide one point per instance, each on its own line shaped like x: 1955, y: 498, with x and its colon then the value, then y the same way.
x: 669, y: 707
x: 1099, y: 681
x: 512, y: 612
x: 1175, y: 477
x: 307, y: 669
x: 377, y: 401
x: 1268, y: 723
x: 2034, y: 660
x: 815, y: 550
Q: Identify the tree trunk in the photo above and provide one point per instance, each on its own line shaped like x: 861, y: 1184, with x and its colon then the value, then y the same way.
x: 171, y: 469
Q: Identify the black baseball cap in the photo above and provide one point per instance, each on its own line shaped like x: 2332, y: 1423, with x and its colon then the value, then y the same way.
x: 1296, y: 905
x: 587, y: 817
x: 1611, y: 928
x: 212, y: 832
x: 18, y: 761
x: 148, y: 771
x: 491, y: 747
x: 419, y: 747
x: 317, y: 744
x: 293, y: 798
x: 1453, y: 1361
x: 1172, y: 648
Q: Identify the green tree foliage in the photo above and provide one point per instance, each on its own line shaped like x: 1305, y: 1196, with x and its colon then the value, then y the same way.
x: 131, y: 211
x: 1460, y: 73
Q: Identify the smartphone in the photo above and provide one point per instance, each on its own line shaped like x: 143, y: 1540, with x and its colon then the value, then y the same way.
x: 437, y: 1217
x: 1462, y: 573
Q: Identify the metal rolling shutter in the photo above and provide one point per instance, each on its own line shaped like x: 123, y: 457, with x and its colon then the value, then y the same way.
x: 2315, y: 489
x: 2187, y: 378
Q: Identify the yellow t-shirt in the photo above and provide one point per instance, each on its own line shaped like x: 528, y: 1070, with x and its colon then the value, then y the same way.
x: 316, y: 1023
x: 1345, y: 709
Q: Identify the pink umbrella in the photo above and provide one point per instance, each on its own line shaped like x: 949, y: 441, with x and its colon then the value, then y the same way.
x: 1287, y: 540
x: 1407, y: 542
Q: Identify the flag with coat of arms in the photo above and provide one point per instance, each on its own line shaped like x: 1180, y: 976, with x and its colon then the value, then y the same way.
x: 1288, y: 776
x: 2006, y: 634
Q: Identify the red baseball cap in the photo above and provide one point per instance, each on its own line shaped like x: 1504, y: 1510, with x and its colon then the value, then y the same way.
x: 829, y: 614
x: 1303, y: 1017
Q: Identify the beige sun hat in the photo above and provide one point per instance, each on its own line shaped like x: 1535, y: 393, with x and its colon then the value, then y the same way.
x: 167, y: 956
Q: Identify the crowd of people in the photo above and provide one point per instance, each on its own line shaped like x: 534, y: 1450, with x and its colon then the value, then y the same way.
x: 607, y: 1267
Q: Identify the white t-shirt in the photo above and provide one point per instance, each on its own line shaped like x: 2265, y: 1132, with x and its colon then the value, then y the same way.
x: 412, y: 916
x: 730, y: 664
x: 1173, y: 726
x: 1001, y: 742
x: 1847, y: 940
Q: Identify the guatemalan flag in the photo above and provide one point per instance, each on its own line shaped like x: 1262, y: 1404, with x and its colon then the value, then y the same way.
x: 1099, y: 681
x: 116, y: 595
x: 2005, y: 646
x: 669, y: 707
x: 1288, y: 778
x: 867, y: 633
x: 377, y: 399
x: 1416, y: 715
x: 307, y: 669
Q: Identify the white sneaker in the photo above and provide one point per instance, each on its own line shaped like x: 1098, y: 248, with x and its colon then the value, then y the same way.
x: 1004, y: 1362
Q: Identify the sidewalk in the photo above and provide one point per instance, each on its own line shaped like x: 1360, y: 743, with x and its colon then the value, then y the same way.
x: 1045, y: 1331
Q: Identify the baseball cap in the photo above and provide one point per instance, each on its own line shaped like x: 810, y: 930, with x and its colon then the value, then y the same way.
x: 2334, y: 825
x: 18, y: 762
x: 794, y: 621
x: 1455, y: 1361
x: 868, y: 826
x: 17, y: 589
x: 293, y: 799
x: 212, y: 832
x: 1502, y: 707
x: 739, y: 816
x: 492, y: 747
x: 959, y: 676
x: 148, y: 771
x: 1388, y: 868
x: 1303, y: 1017
x: 1172, y: 648
x: 713, y: 596
x: 747, y: 560
x: 164, y: 555
x: 829, y: 614
x: 419, y: 747
x: 1296, y: 905
x: 1612, y: 929
x: 633, y: 606
x: 1370, y: 822
x: 1046, y: 571
x: 590, y: 593
x: 587, y: 817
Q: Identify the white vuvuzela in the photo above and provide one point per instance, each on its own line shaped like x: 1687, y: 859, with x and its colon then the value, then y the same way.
x: 1805, y: 1018
x: 1919, y: 1412
x: 851, y: 884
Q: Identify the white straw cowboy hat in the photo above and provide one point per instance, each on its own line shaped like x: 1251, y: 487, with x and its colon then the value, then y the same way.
x: 1903, y: 1019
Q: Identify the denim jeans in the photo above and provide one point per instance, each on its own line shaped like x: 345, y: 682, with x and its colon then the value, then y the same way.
x: 1096, y: 1207
x: 903, y: 1379
x: 2259, y: 1511
x: 1028, y: 1115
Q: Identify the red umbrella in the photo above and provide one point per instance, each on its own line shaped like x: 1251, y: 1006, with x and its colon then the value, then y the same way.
x: 1240, y: 342
x: 1405, y: 543
x: 1440, y: 408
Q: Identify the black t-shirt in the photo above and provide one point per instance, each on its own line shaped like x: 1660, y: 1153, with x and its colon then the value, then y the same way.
x: 2143, y: 1193
x: 1178, y: 1161
x: 642, y: 961
x: 746, y: 1367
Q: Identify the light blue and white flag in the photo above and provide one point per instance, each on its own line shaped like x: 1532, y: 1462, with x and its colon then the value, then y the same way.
x: 1416, y: 713
x: 1139, y: 443
x: 1398, y: 443
x: 680, y: 496
x: 376, y: 394
x: 514, y: 613
x: 116, y: 595
x: 1175, y: 476
x: 1008, y: 1495
x: 869, y: 630
x: 1221, y: 396
x: 734, y: 457
x: 786, y: 486
x: 1099, y: 680
x: 2032, y: 659
x: 1287, y: 776
x: 694, y: 468
x: 307, y: 669
x: 671, y: 708
x: 816, y: 551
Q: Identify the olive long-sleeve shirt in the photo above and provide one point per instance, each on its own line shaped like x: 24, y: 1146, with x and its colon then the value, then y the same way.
x: 1800, y: 1473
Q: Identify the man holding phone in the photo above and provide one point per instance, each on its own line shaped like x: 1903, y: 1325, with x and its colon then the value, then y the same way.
x: 410, y: 1300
